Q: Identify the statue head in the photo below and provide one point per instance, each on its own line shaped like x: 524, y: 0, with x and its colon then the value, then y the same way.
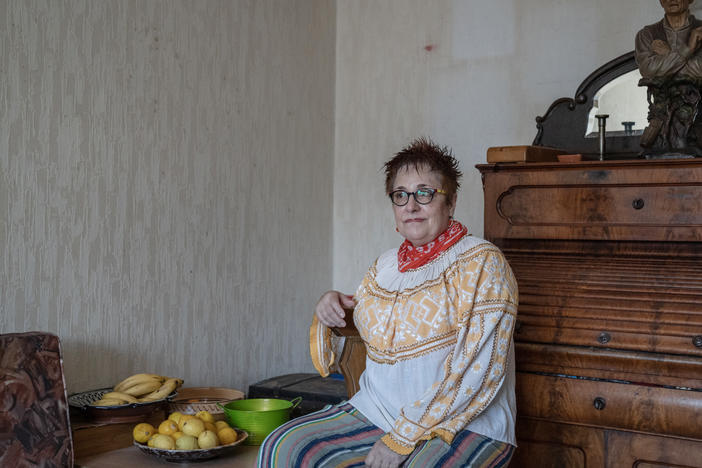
x: 675, y: 7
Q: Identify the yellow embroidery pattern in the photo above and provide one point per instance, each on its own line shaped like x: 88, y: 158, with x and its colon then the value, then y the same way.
x: 400, y: 325
x: 471, y: 308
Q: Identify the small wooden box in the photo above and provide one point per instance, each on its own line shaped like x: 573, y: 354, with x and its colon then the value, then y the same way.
x: 522, y: 154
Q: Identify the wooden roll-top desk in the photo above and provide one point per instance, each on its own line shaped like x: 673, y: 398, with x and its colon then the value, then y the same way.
x: 608, y: 257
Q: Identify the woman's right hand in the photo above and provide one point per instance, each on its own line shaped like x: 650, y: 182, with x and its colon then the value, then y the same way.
x: 330, y: 308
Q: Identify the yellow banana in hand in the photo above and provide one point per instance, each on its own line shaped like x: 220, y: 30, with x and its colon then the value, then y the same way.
x: 164, y: 390
x: 137, y: 379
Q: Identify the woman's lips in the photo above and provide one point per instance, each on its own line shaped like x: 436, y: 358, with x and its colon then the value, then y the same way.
x: 414, y: 220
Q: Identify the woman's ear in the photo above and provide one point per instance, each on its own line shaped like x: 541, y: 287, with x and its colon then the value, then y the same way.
x: 452, y: 203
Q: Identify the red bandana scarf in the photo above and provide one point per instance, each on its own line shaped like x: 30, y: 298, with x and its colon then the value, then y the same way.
x: 410, y: 257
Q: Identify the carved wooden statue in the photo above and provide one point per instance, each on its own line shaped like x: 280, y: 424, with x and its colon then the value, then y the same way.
x: 669, y: 57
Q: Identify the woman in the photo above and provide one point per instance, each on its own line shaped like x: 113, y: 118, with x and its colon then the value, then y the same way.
x: 437, y: 317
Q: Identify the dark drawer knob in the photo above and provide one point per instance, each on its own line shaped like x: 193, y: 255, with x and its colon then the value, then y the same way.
x: 697, y: 341
x: 599, y: 403
x: 604, y: 338
x: 517, y: 326
x: 638, y: 203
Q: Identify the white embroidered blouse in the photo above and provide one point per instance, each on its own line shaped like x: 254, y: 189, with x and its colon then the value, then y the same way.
x: 439, y: 347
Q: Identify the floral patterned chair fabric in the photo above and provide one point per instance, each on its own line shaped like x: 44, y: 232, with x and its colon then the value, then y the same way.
x: 34, y: 423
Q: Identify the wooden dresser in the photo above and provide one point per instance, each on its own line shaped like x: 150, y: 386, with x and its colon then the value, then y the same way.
x: 608, y: 256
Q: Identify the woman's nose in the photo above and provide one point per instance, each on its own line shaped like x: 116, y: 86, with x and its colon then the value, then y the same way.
x: 412, y: 204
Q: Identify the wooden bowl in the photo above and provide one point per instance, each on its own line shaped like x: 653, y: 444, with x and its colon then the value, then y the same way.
x: 194, y: 399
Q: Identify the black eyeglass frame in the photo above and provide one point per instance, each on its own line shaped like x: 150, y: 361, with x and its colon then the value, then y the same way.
x: 432, y: 191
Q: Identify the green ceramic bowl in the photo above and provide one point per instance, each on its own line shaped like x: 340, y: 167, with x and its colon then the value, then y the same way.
x: 258, y: 416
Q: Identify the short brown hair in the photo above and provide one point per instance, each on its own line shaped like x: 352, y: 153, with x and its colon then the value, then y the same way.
x: 424, y: 152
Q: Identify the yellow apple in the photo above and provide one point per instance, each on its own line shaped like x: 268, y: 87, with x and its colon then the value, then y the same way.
x: 163, y: 441
x: 193, y: 427
x: 207, y: 439
x: 187, y: 442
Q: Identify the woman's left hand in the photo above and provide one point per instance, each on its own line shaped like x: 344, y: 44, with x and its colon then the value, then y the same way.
x: 381, y: 456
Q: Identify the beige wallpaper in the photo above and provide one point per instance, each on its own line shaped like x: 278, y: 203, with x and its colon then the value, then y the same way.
x: 470, y: 74
x: 165, y: 183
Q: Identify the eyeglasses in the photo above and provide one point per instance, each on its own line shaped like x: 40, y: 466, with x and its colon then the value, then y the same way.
x: 421, y: 196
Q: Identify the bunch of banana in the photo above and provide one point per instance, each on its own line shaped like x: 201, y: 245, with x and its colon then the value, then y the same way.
x: 140, y: 384
x: 114, y: 399
x: 139, y: 388
x: 170, y: 385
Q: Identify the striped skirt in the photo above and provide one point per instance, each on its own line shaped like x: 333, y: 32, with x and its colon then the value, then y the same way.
x: 340, y: 436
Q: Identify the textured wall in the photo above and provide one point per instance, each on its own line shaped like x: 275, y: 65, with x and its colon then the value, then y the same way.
x: 471, y: 74
x: 165, y: 183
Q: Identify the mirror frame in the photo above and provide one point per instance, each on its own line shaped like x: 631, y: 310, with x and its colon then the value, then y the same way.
x: 564, y: 124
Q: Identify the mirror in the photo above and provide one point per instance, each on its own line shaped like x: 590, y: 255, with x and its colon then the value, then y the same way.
x: 626, y: 104
x: 612, y: 89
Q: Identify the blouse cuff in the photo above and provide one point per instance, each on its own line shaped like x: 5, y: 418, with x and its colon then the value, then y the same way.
x: 397, y: 446
x: 445, y: 435
x: 405, y: 447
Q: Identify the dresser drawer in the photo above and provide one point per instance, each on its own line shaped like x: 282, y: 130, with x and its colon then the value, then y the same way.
x: 643, y: 368
x: 609, y: 334
x: 622, y: 201
x: 607, y: 404
x: 647, y: 451
x: 600, y: 205
x: 546, y: 444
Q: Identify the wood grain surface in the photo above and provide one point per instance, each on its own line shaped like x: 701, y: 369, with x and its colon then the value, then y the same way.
x: 608, y: 258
